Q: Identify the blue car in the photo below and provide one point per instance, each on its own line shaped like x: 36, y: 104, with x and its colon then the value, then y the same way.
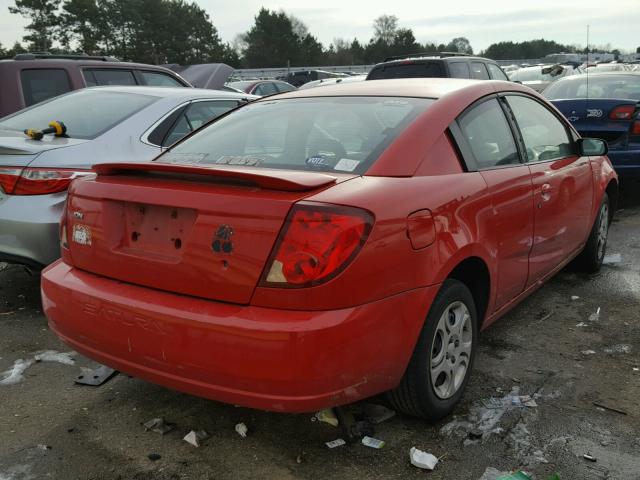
x: 610, y: 112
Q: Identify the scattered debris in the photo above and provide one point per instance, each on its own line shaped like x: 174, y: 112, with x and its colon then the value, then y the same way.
x: 612, y: 259
x: 530, y: 403
x: 588, y: 352
x: 377, y: 413
x: 52, y: 356
x: 327, y: 416
x: 242, y: 430
x: 338, y: 442
x: 621, y: 412
x: 154, y: 456
x: 492, y: 474
x: 16, y: 373
x: 595, y: 316
x: 158, y: 425
x: 581, y: 324
x: 422, y: 459
x: 42, y: 446
x: 194, y: 438
x: 636, y: 369
x: 591, y: 458
x: 7, y: 313
x: 621, y: 348
x: 574, y: 298
x: 299, y: 459
x: 96, y: 377
x: 372, y: 442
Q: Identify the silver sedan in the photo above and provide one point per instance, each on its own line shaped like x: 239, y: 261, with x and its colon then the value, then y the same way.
x: 103, y: 124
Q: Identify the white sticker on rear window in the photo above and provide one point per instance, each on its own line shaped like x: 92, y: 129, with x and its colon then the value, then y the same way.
x: 249, y: 160
x: 347, y: 165
x: 182, y: 158
x: 82, y: 234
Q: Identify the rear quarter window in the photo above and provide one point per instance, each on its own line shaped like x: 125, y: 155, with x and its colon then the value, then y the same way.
x: 459, y: 70
x: 42, y: 84
x: 111, y: 76
x: 159, y: 79
x: 479, y: 71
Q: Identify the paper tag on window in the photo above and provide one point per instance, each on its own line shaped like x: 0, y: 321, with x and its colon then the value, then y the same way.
x: 347, y: 165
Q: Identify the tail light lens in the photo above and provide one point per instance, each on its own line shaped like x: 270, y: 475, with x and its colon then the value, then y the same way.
x: 623, y: 112
x: 635, y: 128
x: 38, y: 181
x: 316, y: 243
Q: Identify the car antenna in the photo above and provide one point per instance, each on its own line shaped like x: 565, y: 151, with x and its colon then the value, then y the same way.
x: 587, y: 73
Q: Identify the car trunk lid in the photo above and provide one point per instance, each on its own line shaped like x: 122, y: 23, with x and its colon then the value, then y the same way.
x: 592, y: 118
x: 193, y: 230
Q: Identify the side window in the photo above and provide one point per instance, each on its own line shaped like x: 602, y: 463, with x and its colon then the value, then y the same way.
x: 265, y: 89
x: 489, y: 136
x: 195, y: 116
x: 545, y: 136
x: 284, y: 87
x: 41, y: 84
x: 459, y: 69
x: 479, y: 71
x: 158, y: 79
x: 496, y: 73
x: 110, y: 76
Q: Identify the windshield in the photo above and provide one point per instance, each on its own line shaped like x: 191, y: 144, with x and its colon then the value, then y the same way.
x: 86, y: 113
x: 343, y: 134
x: 605, y: 86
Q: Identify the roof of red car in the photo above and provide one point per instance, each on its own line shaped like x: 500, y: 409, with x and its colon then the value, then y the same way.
x: 405, y: 87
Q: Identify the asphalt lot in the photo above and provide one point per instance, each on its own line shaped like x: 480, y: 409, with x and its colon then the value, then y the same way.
x: 51, y: 428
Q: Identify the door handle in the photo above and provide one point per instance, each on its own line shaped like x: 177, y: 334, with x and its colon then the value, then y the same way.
x: 546, y: 191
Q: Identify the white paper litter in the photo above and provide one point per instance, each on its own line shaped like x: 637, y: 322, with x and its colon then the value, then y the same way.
x: 595, y: 316
x: 422, y: 459
x: 16, y: 373
x: 338, y: 442
x: 194, y: 438
x: 242, y: 430
x: 612, y: 259
x: 372, y: 442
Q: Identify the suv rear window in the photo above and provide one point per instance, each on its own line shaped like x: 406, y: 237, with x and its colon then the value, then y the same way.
x: 407, y: 70
x: 95, y: 77
x: 342, y: 134
x: 42, y: 84
x: 85, y: 113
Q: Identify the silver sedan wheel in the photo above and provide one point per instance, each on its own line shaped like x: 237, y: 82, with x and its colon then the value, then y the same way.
x: 451, y: 350
x: 603, y: 229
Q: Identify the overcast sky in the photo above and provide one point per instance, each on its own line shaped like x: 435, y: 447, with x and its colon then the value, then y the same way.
x: 483, y: 22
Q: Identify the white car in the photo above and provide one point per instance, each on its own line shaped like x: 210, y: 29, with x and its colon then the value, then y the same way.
x: 333, y: 81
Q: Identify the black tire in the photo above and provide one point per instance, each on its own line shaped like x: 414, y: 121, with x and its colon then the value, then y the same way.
x: 416, y: 394
x: 591, y: 257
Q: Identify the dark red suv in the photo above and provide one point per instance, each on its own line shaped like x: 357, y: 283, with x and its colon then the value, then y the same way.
x: 30, y: 78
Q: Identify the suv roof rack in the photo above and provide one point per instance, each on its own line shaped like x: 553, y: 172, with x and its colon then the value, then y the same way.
x: 47, y: 55
x: 427, y: 54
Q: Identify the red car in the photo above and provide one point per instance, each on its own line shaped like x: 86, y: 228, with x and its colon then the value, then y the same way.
x: 315, y: 248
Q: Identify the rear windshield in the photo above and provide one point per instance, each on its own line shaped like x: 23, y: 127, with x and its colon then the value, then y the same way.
x: 341, y: 134
x: 86, y: 113
x: 407, y: 70
x: 605, y: 86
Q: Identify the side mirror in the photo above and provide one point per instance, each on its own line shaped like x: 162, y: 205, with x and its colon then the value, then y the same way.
x: 592, y: 147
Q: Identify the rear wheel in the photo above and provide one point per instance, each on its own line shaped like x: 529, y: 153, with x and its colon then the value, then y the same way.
x: 590, y: 259
x: 443, y: 357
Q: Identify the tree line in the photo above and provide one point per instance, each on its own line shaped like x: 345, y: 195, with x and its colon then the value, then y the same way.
x: 179, y: 31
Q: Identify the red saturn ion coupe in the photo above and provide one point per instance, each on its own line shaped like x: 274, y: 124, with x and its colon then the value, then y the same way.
x: 321, y: 246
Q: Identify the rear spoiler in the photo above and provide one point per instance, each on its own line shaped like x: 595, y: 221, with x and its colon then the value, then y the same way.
x: 287, y: 180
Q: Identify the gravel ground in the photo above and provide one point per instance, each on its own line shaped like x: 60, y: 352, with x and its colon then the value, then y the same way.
x: 51, y: 428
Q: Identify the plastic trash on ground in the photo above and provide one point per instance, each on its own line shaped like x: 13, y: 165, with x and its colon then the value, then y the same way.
x: 595, y: 316
x: 338, y: 442
x: 158, y: 425
x: 195, y: 438
x: 612, y: 259
x: 372, y: 442
x: 242, y: 430
x: 422, y: 459
x: 327, y: 416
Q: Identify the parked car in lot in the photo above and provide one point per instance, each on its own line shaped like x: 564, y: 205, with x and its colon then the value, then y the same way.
x: 541, y: 76
x: 29, y: 78
x: 608, y: 67
x: 321, y: 246
x: 261, y: 87
x: 303, y: 76
x: 333, y: 81
x: 440, y: 65
x: 604, y: 106
x: 103, y: 124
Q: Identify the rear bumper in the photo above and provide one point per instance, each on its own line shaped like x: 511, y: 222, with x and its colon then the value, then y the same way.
x: 281, y: 360
x: 29, y: 228
x: 626, y: 162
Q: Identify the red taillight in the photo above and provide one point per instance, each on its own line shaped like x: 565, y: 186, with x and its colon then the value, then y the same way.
x: 623, y: 112
x: 37, y: 181
x: 316, y: 243
x: 635, y: 128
